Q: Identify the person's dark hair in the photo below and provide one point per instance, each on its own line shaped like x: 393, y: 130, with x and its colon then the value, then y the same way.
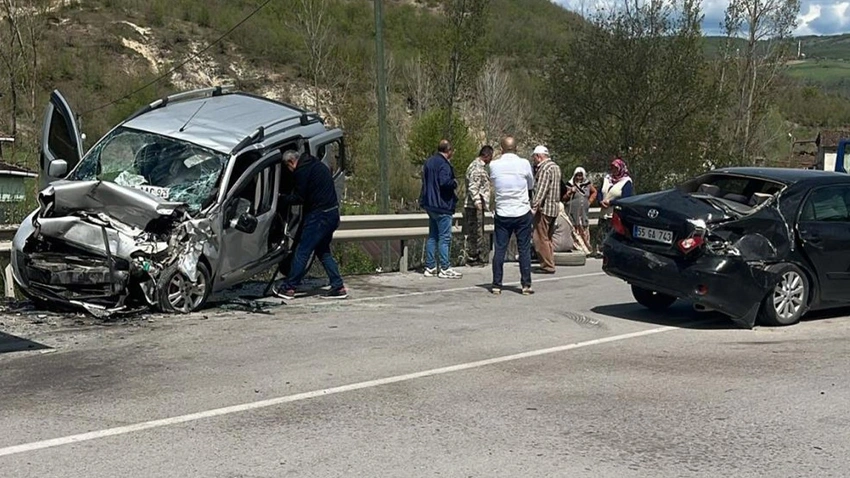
x: 487, y: 150
x: 445, y: 146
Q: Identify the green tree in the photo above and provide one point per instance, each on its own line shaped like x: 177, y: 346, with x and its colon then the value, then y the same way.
x: 635, y: 83
x: 466, y: 50
x: 754, y: 71
x: 427, y: 132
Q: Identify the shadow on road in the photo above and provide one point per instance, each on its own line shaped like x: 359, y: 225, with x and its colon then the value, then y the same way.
x: 681, y: 315
x: 11, y: 343
x: 826, y: 314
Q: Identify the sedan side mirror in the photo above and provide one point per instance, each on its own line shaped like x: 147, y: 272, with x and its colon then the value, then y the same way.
x: 57, y: 168
x: 246, y: 223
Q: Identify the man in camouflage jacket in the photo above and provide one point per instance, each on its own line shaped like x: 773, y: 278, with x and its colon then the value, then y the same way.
x: 477, y: 201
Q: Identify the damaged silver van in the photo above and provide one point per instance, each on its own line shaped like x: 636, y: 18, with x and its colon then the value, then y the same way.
x: 178, y: 201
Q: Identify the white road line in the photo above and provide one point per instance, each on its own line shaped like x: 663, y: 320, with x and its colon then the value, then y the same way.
x: 108, y: 432
x: 436, y: 291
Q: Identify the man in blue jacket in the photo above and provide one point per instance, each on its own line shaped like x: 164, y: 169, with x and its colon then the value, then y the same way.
x: 438, y: 199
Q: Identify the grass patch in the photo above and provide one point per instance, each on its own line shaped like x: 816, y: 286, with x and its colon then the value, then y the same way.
x: 820, y: 71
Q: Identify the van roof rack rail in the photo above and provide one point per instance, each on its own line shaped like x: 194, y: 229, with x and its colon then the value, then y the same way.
x: 254, y: 137
x: 183, y: 96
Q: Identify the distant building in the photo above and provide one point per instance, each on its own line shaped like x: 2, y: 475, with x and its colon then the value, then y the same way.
x: 13, y: 183
x: 827, y: 147
x: 5, y: 139
x: 804, y: 155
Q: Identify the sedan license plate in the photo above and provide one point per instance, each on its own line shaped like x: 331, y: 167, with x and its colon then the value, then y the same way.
x: 655, y: 235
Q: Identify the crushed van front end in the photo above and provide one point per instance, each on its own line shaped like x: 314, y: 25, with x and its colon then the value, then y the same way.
x: 103, y: 247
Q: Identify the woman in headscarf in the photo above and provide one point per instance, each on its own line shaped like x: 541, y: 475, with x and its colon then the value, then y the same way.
x: 579, y: 195
x: 617, y: 184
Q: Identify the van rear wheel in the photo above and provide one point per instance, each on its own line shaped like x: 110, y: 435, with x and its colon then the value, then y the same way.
x: 655, y: 301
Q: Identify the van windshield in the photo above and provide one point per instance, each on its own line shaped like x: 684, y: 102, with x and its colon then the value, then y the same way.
x: 172, y: 169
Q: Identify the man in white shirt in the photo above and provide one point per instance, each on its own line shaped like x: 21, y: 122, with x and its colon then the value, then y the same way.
x: 512, y: 180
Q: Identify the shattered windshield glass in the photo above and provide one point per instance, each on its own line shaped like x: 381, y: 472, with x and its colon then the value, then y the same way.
x: 172, y: 169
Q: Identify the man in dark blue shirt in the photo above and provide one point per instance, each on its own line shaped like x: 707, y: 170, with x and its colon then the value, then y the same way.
x: 438, y: 199
x: 315, y: 192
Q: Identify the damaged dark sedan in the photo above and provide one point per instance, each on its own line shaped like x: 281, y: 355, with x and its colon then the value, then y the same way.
x: 178, y: 201
x: 759, y: 245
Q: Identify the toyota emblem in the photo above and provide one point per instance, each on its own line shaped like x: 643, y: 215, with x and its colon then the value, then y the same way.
x: 652, y: 213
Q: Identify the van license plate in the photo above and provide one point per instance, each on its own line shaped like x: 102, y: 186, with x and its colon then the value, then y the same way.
x: 654, y: 235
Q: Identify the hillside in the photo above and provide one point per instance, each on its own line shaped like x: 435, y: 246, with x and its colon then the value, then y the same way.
x: 824, y: 61
x: 109, y: 57
x: 831, y: 47
x: 96, y: 51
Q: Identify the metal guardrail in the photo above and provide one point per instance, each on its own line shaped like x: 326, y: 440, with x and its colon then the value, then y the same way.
x: 402, y: 227
x: 394, y: 226
x: 405, y: 226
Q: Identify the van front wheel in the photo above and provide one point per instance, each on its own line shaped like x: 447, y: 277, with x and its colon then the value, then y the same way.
x: 177, y: 293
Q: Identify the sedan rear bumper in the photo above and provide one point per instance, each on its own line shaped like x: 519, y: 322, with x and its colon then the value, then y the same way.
x: 726, y: 284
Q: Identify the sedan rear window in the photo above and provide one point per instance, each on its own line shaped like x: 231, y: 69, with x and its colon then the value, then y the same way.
x: 739, y: 189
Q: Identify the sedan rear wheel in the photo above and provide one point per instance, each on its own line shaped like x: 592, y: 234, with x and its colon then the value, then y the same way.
x: 788, y: 300
x: 655, y: 301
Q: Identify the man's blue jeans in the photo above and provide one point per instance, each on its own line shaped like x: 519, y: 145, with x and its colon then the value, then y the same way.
x: 439, y: 233
x: 503, y: 228
x: 316, y: 236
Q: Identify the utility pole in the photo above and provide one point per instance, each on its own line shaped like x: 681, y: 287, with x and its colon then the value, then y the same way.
x: 383, y: 166
x: 384, y: 193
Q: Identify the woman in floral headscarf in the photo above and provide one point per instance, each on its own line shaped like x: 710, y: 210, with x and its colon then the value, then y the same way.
x: 617, y: 184
x: 578, y: 195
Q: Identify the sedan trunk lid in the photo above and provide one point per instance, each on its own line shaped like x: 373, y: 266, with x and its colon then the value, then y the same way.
x: 659, y: 220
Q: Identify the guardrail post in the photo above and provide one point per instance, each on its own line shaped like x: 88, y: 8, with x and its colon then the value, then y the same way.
x: 403, y: 260
x: 9, y: 282
x: 492, y: 249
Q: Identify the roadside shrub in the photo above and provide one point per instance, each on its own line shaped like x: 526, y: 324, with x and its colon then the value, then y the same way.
x: 430, y: 129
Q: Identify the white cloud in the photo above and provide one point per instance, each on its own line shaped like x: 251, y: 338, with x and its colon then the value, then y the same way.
x: 817, y: 17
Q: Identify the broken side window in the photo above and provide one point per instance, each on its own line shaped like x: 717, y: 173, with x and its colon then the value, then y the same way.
x: 261, y: 190
x: 173, y: 169
x: 330, y: 155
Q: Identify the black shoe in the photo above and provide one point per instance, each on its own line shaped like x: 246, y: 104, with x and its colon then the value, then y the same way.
x: 341, y: 293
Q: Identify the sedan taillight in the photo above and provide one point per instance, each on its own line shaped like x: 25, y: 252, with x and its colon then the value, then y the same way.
x: 690, y: 244
x: 617, y: 224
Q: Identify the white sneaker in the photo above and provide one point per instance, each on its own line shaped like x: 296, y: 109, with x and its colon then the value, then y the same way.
x: 430, y: 272
x: 450, y: 274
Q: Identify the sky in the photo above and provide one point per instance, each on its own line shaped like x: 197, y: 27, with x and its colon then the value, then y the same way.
x: 817, y: 17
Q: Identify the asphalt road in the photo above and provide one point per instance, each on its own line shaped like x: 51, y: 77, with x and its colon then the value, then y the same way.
x: 426, y: 377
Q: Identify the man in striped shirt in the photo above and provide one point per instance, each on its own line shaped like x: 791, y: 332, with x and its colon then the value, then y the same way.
x: 544, y: 206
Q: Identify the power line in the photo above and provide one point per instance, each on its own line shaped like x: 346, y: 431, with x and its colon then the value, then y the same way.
x: 190, y: 58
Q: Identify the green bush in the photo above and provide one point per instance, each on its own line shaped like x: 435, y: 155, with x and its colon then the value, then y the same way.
x: 430, y: 129
x: 352, y: 259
